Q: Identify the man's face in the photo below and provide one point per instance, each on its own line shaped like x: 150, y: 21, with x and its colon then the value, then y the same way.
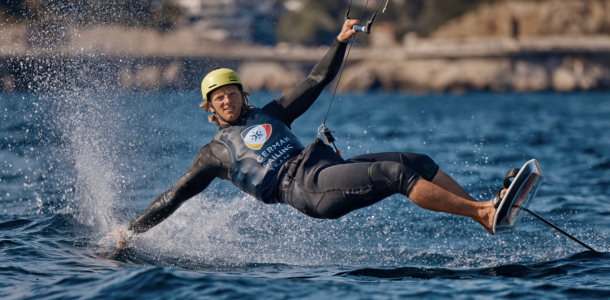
x: 227, y: 100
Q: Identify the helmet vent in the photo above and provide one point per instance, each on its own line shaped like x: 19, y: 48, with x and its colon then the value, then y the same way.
x: 211, y: 86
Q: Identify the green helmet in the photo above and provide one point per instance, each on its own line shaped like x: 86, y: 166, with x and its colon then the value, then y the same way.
x: 218, y: 78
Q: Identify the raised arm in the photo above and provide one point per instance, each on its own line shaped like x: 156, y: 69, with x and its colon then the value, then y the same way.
x: 203, y: 170
x: 292, y: 105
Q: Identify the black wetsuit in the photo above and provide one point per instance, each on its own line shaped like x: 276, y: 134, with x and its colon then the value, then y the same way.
x: 316, y: 181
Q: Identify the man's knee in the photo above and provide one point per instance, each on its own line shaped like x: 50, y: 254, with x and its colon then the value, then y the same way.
x: 392, y: 177
x: 422, y: 164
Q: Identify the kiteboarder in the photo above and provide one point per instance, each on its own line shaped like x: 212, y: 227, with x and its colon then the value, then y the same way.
x: 256, y: 150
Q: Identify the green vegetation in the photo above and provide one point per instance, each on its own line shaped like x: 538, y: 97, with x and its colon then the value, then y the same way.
x: 161, y: 15
x: 319, y: 21
x: 308, y: 22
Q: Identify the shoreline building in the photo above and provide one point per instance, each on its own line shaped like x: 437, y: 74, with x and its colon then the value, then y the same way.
x: 251, y: 21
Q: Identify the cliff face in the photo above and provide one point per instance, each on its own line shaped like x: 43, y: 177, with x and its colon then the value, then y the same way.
x: 518, y: 18
x: 562, y: 74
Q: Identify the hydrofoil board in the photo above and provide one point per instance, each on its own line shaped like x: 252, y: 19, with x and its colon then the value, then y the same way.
x: 515, y: 202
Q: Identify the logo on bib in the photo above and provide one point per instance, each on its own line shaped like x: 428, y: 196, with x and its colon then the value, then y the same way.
x: 254, y: 137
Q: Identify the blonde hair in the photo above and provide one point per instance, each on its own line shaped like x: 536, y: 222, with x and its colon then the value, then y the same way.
x: 245, y: 105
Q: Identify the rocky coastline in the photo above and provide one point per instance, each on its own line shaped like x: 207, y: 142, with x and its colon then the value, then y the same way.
x: 522, y: 46
x: 560, y: 64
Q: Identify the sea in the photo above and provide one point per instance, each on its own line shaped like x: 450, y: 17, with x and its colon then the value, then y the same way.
x: 76, y: 165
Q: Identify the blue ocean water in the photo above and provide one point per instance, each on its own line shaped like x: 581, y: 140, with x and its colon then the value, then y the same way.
x: 77, y: 165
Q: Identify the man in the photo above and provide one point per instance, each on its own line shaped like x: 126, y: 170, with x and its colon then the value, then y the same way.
x: 255, y: 149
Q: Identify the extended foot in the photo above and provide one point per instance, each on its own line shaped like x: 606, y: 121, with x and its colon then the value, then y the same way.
x: 488, y: 212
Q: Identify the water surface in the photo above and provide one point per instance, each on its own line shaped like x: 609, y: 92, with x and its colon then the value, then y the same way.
x: 78, y: 165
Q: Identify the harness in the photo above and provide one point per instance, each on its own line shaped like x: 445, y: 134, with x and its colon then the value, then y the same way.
x: 259, y: 145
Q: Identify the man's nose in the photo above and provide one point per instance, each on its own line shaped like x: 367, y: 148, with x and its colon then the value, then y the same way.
x: 226, y: 100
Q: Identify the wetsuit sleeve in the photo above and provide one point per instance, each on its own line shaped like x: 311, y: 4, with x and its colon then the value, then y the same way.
x: 204, y: 169
x: 292, y: 105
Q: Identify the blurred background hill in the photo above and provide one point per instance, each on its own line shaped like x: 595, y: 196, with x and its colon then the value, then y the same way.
x: 531, y: 18
x: 416, y: 45
x: 304, y: 22
x: 314, y: 22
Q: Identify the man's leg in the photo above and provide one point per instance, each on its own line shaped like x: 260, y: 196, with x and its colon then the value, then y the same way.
x: 423, y: 165
x: 430, y: 196
x: 446, y: 182
x: 340, y: 189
